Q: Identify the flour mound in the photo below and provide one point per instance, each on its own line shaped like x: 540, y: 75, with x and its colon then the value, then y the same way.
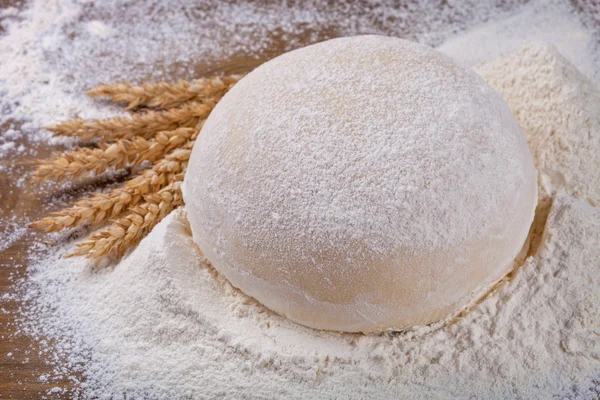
x: 361, y: 184
x: 560, y: 120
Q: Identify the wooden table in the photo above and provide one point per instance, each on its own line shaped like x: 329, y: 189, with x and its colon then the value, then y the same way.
x: 21, y: 364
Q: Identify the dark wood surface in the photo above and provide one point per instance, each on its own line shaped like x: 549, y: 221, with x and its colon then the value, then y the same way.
x: 21, y: 363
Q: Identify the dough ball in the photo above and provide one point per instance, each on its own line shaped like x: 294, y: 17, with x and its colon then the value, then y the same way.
x: 361, y: 184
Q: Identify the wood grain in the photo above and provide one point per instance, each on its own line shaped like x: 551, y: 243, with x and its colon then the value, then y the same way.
x: 21, y: 365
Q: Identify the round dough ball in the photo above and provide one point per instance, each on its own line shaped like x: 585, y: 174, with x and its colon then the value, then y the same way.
x: 361, y: 184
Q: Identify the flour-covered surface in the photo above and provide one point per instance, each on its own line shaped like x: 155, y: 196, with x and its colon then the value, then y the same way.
x: 52, y: 50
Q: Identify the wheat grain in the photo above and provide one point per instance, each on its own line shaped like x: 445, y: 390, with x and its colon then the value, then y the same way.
x: 127, y: 231
x: 163, y: 137
x: 145, y: 125
x: 122, y: 153
x: 102, y: 206
x: 165, y: 95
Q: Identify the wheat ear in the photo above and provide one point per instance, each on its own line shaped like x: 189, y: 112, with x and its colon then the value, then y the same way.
x: 144, y: 125
x: 165, y: 95
x: 102, y: 206
x: 127, y: 231
x: 122, y: 153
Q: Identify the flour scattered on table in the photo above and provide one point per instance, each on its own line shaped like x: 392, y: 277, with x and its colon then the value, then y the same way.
x: 551, y: 23
x: 163, y: 324
x: 56, y: 50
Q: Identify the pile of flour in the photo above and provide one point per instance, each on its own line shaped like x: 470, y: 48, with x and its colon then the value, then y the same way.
x: 163, y: 324
x: 559, y: 113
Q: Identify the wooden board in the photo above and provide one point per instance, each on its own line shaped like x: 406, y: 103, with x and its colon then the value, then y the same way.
x: 21, y: 363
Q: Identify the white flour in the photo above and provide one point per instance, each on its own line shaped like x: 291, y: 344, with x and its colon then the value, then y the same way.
x: 560, y: 120
x: 552, y: 23
x: 162, y: 324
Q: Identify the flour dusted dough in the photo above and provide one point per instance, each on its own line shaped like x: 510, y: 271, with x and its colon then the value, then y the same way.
x: 361, y: 184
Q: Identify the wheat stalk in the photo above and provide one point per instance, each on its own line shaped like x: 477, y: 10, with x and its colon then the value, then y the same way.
x: 162, y: 138
x: 144, y: 125
x: 122, y: 153
x: 127, y: 231
x: 102, y: 206
x: 165, y: 95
